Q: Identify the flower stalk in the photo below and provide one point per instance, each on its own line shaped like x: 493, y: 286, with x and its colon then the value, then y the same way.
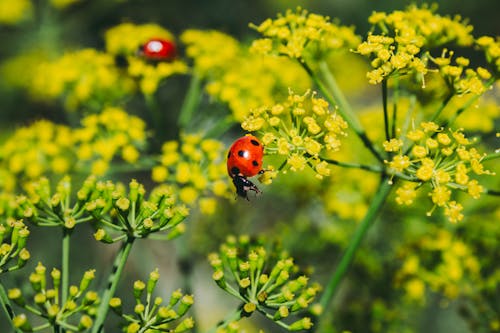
x: 114, y: 278
x: 376, y: 205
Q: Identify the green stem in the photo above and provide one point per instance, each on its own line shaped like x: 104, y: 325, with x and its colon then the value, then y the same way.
x: 332, y: 92
x: 114, y: 278
x: 386, y: 112
x: 65, y: 265
x: 233, y: 316
x: 371, y: 168
x: 348, y: 256
x: 7, y: 308
x: 191, y: 101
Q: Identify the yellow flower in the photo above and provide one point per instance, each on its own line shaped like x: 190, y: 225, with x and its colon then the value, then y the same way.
x: 12, y: 12
x: 415, y: 289
x: 399, y: 163
x: 299, y: 34
x: 453, y: 212
x: 406, y: 194
x: 393, y: 145
x: 297, y: 162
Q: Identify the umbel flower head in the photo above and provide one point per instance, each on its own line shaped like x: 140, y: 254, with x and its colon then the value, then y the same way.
x: 441, y: 158
x: 152, y: 314
x: 235, y: 76
x: 85, y: 77
x: 42, y: 147
x: 13, y: 252
x: 130, y: 214
x: 302, y: 35
x: 195, y: 166
x: 404, y: 37
x: 302, y: 130
x: 76, y: 313
x: 266, y: 281
x: 107, y: 135
x: 445, y: 264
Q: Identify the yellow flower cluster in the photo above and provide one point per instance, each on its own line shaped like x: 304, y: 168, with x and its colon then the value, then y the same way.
x: 105, y: 135
x: 453, y: 274
x: 301, y: 129
x: 302, y: 35
x: 85, y: 77
x: 13, y: 12
x: 197, y: 166
x: 34, y: 150
x: 458, y: 77
x: 211, y: 50
x: 491, y: 48
x: 398, y: 49
x: 234, y: 76
x: 127, y: 38
x: 45, y: 147
x: 441, y: 159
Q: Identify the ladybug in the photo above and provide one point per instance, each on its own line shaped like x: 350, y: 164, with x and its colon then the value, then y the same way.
x: 244, y: 159
x: 158, y: 49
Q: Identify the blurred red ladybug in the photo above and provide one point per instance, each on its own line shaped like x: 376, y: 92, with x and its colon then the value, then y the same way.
x: 245, y: 160
x: 158, y: 49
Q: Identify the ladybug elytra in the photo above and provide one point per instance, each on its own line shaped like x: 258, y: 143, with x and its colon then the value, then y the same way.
x: 244, y: 160
x: 158, y: 49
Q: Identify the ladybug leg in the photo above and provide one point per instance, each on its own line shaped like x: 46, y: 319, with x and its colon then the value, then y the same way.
x: 243, y: 185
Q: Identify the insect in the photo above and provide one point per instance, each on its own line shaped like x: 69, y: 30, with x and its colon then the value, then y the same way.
x: 244, y: 160
x: 158, y: 49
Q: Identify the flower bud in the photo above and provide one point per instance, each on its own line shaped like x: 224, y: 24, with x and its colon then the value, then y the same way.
x: 303, y: 324
x: 85, y: 323
x: 185, y: 325
x: 186, y: 302
x: 88, y: 276
x: 116, y: 304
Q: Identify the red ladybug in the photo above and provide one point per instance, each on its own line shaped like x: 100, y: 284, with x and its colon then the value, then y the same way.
x: 158, y: 49
x: 245, y: 160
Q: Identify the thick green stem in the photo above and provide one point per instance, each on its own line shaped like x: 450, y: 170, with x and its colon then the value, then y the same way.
x: 332, y: 92
x: 348, y: 256
x: 114, y: 278
x: 191, y: 101
x: 65, y: 265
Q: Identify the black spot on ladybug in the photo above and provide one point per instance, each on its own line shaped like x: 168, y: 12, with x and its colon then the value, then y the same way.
x: 235, y: 170
x: 228, y: 154
x: 255, y: 142
x: 241, y: 153
x: 255, y: 163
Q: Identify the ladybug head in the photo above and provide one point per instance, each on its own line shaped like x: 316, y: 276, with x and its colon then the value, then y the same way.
x: 243, y: 185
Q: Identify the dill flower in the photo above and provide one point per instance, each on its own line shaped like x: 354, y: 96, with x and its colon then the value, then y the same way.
x: 444, y: 160
x: 197, y: 167
x: 78, y: 310
x: 15, y: 12
x: 81, y: 78
x: 210, y: 58
x: 302, y: 129
x: 111, y: 133
x: 491, y: 49
x: 36, y: 149
x: 13, y: 238
x: 152, y: 313
x: 459, y: 77
x: 237, y: 77
x: 302, y: 35
x: 404, y: 38
x: 445, y: 265
x: 266, y: 280
x: 62, y: 4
